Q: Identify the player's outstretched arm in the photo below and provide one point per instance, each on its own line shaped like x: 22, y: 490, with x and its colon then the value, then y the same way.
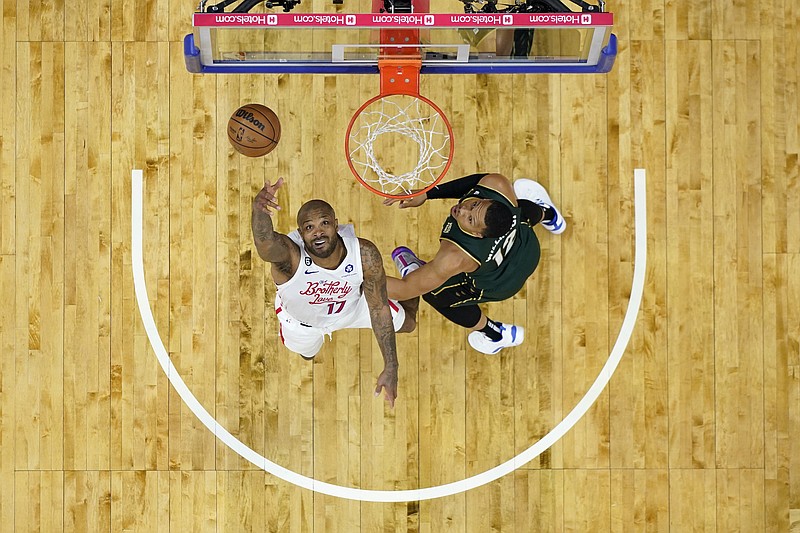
x: 456, y: 189
x: 381, y: 317
x: 414, y: 201
x: 272, y: 246
x: 449, y: 261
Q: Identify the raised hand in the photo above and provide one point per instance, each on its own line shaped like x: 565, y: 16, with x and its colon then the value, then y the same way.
x: 415, y: 201
x: 267, y: 198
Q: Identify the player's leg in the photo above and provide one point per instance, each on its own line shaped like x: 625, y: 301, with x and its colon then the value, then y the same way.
x: 360, y: 317
x: 303, y: 340
x: 410, y: 322
x: 452, y: 301
x: 533, y: 213
x: 406, y: 262
x: 487, y: 336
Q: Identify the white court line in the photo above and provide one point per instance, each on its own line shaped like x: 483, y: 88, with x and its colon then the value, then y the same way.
x: 637, y: 287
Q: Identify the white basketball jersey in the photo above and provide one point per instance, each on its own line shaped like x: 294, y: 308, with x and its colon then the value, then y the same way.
x: 320, y: 297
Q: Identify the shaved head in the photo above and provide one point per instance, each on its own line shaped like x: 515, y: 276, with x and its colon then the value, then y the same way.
x: 311, y: 206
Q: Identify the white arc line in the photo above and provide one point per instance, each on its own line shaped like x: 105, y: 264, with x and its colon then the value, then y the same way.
x: 628, y: 323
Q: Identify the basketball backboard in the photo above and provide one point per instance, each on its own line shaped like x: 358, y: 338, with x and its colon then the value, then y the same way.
x: 446, y: 42
x: 400, y: 143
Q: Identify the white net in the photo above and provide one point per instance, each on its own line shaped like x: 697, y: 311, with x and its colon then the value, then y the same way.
x: 398, y: 144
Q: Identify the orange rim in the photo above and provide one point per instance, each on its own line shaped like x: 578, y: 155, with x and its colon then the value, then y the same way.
x: 377, y: 191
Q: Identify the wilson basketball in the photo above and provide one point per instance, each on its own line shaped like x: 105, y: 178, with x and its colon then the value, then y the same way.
x: 254, y: 130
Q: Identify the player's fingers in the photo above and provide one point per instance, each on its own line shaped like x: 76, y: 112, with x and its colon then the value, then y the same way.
x: 267, y: 196
x: 264, y: 196
x: 272, y: 187
x: 273, y: 203
x: 378, y: 390
x: 262, y: 202
x: 390, y: 201
x: 272, y: 190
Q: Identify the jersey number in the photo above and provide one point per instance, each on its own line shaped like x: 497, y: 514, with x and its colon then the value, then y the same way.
x: 501, y: 252
x: 335, y: 307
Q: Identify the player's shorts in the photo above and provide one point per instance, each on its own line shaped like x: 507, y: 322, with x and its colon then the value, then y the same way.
x: 460, y: 291
x: 307, y: 340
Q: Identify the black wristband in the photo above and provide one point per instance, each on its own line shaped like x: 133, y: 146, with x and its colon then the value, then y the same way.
x: 456, y: 188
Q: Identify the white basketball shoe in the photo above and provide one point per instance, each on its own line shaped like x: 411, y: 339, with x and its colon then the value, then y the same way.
x: 511, y: 336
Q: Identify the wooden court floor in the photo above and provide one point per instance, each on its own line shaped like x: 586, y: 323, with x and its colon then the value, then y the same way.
x: 698, y: 430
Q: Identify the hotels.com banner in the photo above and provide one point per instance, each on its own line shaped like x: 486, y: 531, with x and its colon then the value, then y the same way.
x: 411, y: 20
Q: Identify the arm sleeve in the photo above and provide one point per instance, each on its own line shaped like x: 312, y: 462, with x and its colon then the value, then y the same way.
x: 456, y: 188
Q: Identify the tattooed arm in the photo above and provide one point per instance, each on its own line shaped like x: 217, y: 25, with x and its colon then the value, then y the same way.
x: 382, y: 325
x: 273, y: 247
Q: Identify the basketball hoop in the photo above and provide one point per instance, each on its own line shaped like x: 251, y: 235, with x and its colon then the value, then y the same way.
x: 399, y: 144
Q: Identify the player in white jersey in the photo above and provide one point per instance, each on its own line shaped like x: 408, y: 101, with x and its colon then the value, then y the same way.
x: 328, y: 279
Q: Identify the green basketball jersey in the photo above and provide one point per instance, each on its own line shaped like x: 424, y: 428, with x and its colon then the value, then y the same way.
x: 505, y: 262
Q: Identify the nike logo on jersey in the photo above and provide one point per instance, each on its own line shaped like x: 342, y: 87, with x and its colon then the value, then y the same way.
x: 311, y: 271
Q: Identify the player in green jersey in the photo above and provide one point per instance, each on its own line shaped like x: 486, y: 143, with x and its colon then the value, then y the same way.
x: 487, y: 250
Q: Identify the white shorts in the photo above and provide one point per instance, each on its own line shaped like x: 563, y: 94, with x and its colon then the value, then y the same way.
x: 307, y: 340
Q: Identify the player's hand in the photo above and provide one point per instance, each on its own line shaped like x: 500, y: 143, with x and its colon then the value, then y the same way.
x: 267, y: 198
x: 415, y: 201
x: 388, y: 381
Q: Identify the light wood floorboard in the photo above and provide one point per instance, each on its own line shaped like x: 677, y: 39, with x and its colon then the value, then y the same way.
x: 699, y: 429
